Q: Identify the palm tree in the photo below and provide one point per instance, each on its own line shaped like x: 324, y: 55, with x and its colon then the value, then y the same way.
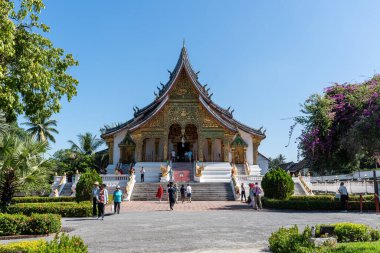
x: 42, y: 128
x: 21, y: 162
x: 3, y: 124
x: 88, y: 144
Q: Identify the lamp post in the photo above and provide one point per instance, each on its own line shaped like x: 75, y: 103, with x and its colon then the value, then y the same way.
x: 365, y: 182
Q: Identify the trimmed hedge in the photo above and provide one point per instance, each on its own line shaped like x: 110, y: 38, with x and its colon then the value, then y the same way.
x: 42, y: 199
x: 277, y: 184
x: 313, y: 203
x: 65, y: 209
x: 18, y: 224
x: 351, y: 232
x: 61, y: 244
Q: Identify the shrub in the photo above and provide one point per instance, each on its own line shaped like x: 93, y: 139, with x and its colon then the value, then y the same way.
x: 350, y: 232
x: 65, y: 209
x: 289, y: 240
x: 277, y: 184
x: 17, y: 224
x: 42, y: 199
x: 60, y: 244
x: 85, y: 185
x: 313, y: 203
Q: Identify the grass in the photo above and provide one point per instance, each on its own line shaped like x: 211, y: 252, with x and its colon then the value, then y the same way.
x: 354, y: 247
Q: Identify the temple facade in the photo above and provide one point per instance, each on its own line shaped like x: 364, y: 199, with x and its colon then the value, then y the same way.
x: 184, y: 121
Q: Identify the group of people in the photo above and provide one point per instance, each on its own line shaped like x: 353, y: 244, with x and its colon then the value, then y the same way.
x: 100, y: 200
x: 188, y: 156
x: 254, y: 195
x: 172, y: 192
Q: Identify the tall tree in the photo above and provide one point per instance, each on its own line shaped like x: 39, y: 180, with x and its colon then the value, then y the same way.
x: 21, y: 163
x: 87, y: 145
x: 274, y: 162
x: 33, y: 73
x: 42, y: 128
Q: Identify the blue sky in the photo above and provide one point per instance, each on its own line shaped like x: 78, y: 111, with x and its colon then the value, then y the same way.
x: 263, y: 58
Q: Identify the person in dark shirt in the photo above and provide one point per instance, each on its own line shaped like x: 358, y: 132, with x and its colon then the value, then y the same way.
x: 171, y: 193
x: 183, y: 192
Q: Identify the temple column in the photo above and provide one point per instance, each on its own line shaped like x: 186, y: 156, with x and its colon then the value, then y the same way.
x: 209, y: 149
x: 226, y: 148
x: 110, y: 143
x: 139, y: 147
x: 166, y: 141
x: 256, y: 143
x: 156, y: 148
x: 200, y: 147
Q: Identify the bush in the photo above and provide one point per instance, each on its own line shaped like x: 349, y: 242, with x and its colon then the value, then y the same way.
x: 353, y: 247
x: 289, y: 240
x: 17, y: 224
x: 42, y: 199
x: 350, y: 232
x: 61, y: 244
x: 277, y: 184
x: 313, y: 203
x: 65, y: 209
x: 85, y: 185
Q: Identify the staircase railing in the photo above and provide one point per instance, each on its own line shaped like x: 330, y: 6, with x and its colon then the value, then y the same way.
x: 198, y: 171
x: 62, y: 184
x: 247, y: 168
x: 130, y: 186
x: 235, y: 181
x: 307, y: 189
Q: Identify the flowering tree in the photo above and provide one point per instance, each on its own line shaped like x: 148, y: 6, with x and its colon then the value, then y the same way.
x: 342, y: 126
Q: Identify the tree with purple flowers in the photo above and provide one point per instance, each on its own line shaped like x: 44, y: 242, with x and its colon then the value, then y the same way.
x: 342, y: 127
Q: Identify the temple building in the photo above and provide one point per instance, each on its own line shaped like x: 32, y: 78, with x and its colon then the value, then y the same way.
x: 183, y: 121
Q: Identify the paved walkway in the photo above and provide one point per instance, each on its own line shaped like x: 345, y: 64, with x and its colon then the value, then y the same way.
x: 148, y: 206
x: 202, y: 227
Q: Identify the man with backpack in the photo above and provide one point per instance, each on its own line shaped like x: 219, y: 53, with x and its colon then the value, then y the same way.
x: 256, y: 193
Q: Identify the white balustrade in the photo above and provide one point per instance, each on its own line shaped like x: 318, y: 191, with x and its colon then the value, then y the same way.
x: 246, y: 178
x: 107, y: 178
x: 365, y: 186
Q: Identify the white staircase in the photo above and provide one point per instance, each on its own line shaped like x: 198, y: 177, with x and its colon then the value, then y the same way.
x: 254, y: 170
x: 216, y: 173
x: 152, y: 171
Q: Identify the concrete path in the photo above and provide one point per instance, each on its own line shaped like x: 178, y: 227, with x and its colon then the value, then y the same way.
x: 202, y: 227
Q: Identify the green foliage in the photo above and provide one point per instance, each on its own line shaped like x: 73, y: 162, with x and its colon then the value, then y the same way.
x: 42, y: 128
x: 85, y: 185
x: 275, y: 162
x: 289, y: 240
x: 33, y: 73
x: 277, y: 184
x: 352, y: 247
x: 42, y: 199
x: 22, y: 163
x: 87, y: 145
x: 65, y: 209
x: 68, y: 161
x: 313, y: 203
x: 17, y: 224
x: 350, y: 232
x: 61, y: 243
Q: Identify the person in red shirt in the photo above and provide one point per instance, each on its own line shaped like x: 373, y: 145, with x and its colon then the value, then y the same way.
x: 160, y: 193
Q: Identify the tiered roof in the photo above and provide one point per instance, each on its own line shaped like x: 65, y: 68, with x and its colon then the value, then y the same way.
x: 223, y: 116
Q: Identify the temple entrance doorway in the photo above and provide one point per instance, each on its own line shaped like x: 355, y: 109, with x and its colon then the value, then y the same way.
x: 182, y: 151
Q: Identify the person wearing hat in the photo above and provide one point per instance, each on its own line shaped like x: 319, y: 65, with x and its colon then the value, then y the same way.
x: 117, y: 198
x: 94, y: 192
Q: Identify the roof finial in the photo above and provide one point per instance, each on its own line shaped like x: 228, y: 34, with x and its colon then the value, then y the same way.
x: 183, y: 43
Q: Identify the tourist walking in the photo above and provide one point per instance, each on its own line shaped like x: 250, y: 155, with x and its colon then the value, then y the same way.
x: 102, y: 200
x: 257, y: 192
x: 171, y: 194
x: 142, y: 174
x: 343, y: 197
x: 117, y: 198
x: 176, y: 193
x: 188, y: 193
x: 183, y: 191
x: 160, y: 193
x: 252, y: 202
x: 95, y: 191
x: 242, y: 193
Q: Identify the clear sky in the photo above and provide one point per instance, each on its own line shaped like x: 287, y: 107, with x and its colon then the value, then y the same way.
x: 263, y: 58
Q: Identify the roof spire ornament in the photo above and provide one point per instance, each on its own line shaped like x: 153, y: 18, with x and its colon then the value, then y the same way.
x: 183, y: 43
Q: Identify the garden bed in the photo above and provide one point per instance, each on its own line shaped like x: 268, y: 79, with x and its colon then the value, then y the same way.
x: 65, y: 209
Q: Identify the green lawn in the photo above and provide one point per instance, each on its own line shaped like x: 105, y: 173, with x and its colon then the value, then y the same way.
x: 354, y: 247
